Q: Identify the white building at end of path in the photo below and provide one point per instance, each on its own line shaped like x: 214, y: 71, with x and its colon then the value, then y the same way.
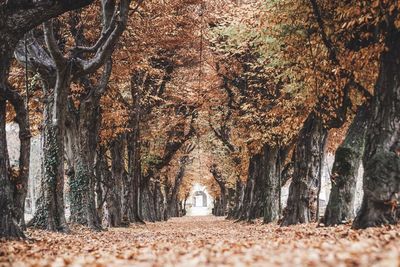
x: 200, y: 202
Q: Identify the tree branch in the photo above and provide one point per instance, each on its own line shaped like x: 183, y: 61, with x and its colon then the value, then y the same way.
x: 24, y: 17
x: 52, y: 46
x: 222, y: 138
x: 104, y: 36
x: 170, y: 151
x: 105, y: 77
x: 346, y: 101
x: 218, y: 176
x: 325, y: 39
x: 105, y: 50
x: 38, y: 58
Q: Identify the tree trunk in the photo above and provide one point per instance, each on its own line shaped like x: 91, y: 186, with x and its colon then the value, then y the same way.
x: 230, y: 202
x: 158, y: 201
x: 238, y: 200
x: 382, y: 147
x: 147, y: 204
x: 89, y: 129
x: 340, y: 208
x: 50, y: 213
x: 222, y: 203
x: 120, y: 196
x: 8, y: 224
x: 308, y: 155
x: 173, y: 201
x: 100, y: 194
x: 272, y: 186
x: 8, y: 218
x: 134, y: 177
x: 167, y: 194
x: 252, y: 203
x: 20, y: 182
x: 114, y: 183
x: 184, y: 211
x: 21, y: 188
x: 134, y: 158
x: 81, y: 139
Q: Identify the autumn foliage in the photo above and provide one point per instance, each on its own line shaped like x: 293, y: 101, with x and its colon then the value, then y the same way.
x: 136, y: 102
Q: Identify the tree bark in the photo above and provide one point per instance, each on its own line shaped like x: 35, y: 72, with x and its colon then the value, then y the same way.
x: 237, y: 201
x: 147, y: 204
x: 20, y: 182
x: 348, y: 156
x: 221, y: 202
x: 81, y: 138
x: 308, y: 154
x: 382, y: 152
x: 50, y: 213
x: 218, y: 209
x: 184, y: 211
x: 134, y: 157
x: 167, y: 194
x: 230, y: 201
x: 115, y: 199
x: 272, y: 186
x: 172, y: 207
x: 101, y: 193
x: 252, y: 203
x: 8, y: 224
x: 158, y: 201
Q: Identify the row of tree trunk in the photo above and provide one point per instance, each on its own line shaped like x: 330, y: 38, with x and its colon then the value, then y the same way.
x: 128, y: 197
x: 372, y: 139
x: 260, y: 196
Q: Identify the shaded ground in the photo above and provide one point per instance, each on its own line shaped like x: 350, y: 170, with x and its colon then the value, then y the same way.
x: 211, y: 241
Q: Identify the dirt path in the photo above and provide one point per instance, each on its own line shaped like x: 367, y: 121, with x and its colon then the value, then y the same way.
x: 208, y: 241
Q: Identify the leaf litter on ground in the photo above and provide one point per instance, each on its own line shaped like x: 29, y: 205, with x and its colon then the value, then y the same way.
x: 207, y: 241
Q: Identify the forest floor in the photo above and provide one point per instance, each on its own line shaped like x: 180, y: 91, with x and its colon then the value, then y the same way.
x: 207, y: 241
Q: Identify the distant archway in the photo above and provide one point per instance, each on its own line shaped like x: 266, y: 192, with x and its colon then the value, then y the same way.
x: 200, y: 199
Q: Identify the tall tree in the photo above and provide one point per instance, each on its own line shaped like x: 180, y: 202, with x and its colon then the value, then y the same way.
x: 173, y: 201
x: 382, y: 153
x: 348, y: 156
x: 16, y: 20
x: 81, y: 139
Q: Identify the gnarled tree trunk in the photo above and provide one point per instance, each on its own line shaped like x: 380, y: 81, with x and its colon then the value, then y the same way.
x: 115, y: 201
x: 81, y: 139
x: 382, y: 150
x: 8, y: 224
x: 233, y: 213
x: 221, y: 203
x: 147, y: 203
x: 308, y: 155
x: 231, y: 202
x: 252, y: 203
x: 134, y: 179
x: 348, y: 156
x: 272, y: 186
x: 172, y: 206
x: 158, y: 201
x: 50, y: 213
x: 20, y: 182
